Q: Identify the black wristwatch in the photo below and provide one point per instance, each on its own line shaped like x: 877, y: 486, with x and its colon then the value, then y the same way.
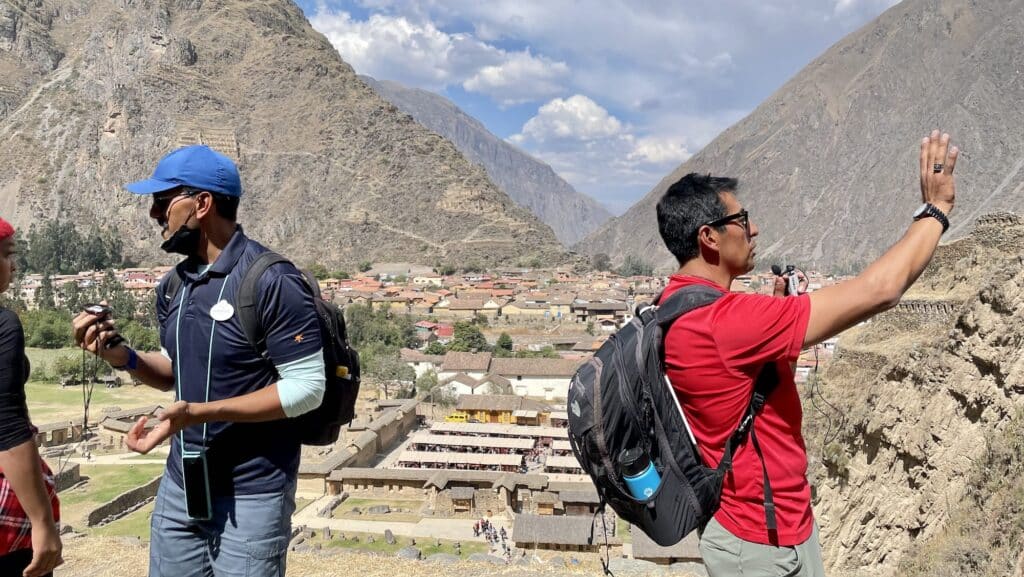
x: 928, y: 209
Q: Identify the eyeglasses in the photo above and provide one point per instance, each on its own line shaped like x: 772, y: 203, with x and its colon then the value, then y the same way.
x: 162, y: 203
x: 742, y: 218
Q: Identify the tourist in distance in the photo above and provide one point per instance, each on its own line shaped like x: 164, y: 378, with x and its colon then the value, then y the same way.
x: 225, y: 503
x: 713, y: 354
x: 29, y: 511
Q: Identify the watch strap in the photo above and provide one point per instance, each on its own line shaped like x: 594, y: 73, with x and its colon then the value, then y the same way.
x: 934, y: 212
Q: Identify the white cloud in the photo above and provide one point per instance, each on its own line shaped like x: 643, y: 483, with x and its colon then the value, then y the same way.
x: 846, y: 7
x: 574, y: 118
x: 522, y: 77
x: 659, y: 150
x: 422, y: 55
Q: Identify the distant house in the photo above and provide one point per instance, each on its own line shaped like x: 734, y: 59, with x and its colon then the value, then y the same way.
x: 473, y: 364
x: 537, y: 377
x: 498, y: 408
x: 560, y: 532
x: 683, y: 551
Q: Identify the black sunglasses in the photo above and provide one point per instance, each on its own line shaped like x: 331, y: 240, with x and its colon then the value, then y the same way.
x: 162, y: 202
x: 742, y: 216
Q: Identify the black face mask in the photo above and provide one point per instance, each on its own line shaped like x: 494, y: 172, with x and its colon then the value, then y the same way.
x: 185, y: 241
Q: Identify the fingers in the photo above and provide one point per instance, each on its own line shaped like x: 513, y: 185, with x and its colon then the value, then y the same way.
x: 43, y: 563
x: 135, y: 434
x: 780, y: 287
x: 954, y: 153
x: 926, y: 166
x: 933, y: 149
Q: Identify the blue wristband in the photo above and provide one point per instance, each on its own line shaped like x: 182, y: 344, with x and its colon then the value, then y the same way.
x: 133, y: 361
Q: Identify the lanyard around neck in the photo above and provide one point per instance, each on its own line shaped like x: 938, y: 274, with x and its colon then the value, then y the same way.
x: 186, y: 291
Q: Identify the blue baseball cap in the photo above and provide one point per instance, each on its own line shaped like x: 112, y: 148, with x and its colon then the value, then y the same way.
x: 196, y: 166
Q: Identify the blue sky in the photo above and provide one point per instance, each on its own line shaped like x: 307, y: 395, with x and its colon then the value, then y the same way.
x: 613, y: 94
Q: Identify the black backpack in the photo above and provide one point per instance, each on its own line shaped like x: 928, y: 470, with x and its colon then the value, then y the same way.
x: 621, y: 399
x: 321, y: 426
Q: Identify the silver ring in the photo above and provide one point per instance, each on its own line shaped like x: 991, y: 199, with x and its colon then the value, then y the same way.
x: 937, y: 168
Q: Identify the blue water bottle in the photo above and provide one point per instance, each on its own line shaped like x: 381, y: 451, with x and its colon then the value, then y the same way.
x: 639, y: 473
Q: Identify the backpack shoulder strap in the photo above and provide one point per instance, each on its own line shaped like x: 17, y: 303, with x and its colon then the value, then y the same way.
x: 173, y: 284
x: 248, y: 298
x: 311, y: 280
x: 683, y: 301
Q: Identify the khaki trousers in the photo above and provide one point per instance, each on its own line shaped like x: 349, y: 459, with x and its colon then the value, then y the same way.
x: 726, y: 555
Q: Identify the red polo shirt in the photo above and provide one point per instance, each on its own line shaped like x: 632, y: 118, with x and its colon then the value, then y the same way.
x: 712, y: 356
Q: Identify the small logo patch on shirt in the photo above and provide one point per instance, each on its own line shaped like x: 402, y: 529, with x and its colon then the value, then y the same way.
x: 298, y: 338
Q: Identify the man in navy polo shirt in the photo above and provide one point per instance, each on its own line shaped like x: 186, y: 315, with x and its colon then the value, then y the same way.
x: 231, y: 440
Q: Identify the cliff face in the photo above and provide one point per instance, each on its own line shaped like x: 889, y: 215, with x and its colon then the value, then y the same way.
x: 94, y: 92
x: 528, y: 181
x: 828, y: 164
x: 926, y: 401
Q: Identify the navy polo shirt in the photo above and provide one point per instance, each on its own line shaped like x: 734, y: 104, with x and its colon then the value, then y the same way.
x: 243, y: 458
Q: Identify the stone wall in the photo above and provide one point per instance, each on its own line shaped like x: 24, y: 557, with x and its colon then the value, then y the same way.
x: 912, y: 315
x: 69, y: 477
x: 484, y: 500
x: 124, y: 503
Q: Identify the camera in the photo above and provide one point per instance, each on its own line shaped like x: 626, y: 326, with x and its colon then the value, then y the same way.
x: 103, y: 311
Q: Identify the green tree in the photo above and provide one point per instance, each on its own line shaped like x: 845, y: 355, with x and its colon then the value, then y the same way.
x: 341, y: 275
x: 468, y: 337
x: 141, y: 337
x: 319, y: 271
x: 45, y: 294
x: 601, y: 262
x: 67, y: 366
x: 435, y: 348
x: 387, y: 369
x: 365, y: 266
x: 426, y: 381
x: 445, y: 269
x: 47, y: 328
x: 636, y: 266
x: 504, y: 342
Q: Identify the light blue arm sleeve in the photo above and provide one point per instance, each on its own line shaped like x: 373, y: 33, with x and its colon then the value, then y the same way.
x: 302, y: 384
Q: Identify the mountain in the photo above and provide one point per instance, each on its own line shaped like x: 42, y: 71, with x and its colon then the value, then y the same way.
x: 94, y: 92
x: 828, y: 164
x: 530, y: 182
x: 914, y: 431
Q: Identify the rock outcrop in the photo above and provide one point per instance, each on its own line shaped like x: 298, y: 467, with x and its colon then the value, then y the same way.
x: 94, y: 92
x: 922, y: 397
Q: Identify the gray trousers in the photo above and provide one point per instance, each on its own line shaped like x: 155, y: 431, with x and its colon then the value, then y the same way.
x: 726, y: 555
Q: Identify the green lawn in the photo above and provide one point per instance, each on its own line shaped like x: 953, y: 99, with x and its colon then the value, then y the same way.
x: 379, y: 545
x: 344, y: 510
x: 133, y: 525
x: 105, y: 482
x: 48, y: 402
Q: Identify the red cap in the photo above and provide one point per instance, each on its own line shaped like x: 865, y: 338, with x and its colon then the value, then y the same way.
x: 6, y: 229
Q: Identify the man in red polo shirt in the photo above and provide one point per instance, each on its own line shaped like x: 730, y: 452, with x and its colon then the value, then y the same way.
x: 714, y: 354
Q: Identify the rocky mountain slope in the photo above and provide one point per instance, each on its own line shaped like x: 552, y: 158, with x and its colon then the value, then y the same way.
x: 530, y: 182
x: 94, y: 92
x: 918, y: 465
x: 827, y: 165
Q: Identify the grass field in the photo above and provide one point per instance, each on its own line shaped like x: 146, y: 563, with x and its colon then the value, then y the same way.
x: 134, y: 525
x: 48, y: 402
x: 379, y: 545
x: 104, y: 483
x: 344, y: 510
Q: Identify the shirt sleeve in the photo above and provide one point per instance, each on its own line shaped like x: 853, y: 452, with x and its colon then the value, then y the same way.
x: 751, y: 330
x: 302, y: 384
x: 288, y: 316
x: 14, y: 424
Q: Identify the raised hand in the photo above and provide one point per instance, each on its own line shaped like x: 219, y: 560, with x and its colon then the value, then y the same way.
x: 938, y: 187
